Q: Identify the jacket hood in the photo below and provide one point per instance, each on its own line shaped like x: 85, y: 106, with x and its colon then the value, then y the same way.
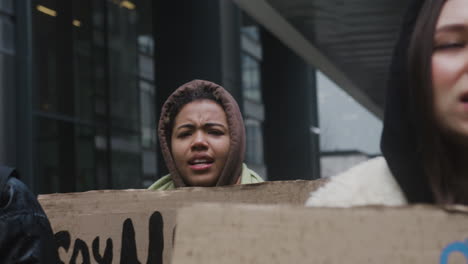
x: 399, y: 137
x: 233, y: 167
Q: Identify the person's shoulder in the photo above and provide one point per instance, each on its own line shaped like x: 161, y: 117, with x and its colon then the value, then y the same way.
x: 164, y: 183
x: 19, y: 199
x: 255, y: 178
x: 249, y: 176
x: 26, y: 231
x: 370, y: 182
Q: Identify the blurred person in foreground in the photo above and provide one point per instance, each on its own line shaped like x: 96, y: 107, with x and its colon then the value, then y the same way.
x: 202, y: 138
x: 425, y: 135
x: 25, y: 233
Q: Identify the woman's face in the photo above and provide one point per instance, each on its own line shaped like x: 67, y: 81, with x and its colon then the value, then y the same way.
x: 200, y: 142
x: 450, y: 68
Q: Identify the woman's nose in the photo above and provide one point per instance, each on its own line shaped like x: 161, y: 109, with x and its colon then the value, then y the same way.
x: 199, y: 142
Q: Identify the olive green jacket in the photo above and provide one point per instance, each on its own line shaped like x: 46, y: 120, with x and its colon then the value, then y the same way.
x: 165, y: 183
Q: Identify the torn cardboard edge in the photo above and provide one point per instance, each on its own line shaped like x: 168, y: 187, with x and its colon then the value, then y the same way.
x: 129, y: 226
x: 291, y: 234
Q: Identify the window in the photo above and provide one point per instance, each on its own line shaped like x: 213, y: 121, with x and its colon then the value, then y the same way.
x: 95, y: 94
x: 251, y: 78
x: 254, y: 153
x: 251, y: 57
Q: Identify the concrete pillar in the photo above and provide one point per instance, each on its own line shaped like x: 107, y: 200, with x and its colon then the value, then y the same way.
x: 196, y: 40
x: 288, y: 83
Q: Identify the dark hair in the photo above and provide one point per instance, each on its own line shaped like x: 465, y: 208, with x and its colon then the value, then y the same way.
x: 436, y: 152
x: 187, y: 97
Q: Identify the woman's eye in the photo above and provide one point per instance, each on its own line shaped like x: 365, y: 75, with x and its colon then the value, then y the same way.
x: 184, y: 134
x: 216, y: 132
x: 450, y: 46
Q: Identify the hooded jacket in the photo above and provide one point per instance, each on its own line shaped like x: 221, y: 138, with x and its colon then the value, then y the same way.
x: 234, y: 167
x: 25, y: 232
x: 397, y: 178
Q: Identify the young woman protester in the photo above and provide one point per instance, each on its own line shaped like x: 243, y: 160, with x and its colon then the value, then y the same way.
x: 425, y: 136
x: 202, y: 138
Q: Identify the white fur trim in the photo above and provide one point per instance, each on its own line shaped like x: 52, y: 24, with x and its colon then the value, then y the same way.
x: 368, y: 183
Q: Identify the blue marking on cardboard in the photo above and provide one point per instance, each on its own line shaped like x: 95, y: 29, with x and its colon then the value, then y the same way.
x: 461, y: 247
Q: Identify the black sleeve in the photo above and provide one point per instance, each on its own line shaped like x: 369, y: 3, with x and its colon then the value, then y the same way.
x: 25, y: 232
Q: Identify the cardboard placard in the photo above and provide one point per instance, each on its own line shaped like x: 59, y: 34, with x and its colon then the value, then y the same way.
x: 265, y: 234
x: 137, y: 226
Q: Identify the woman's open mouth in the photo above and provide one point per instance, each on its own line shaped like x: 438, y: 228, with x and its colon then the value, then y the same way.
x: 464, y: 98
x: 199, y: 164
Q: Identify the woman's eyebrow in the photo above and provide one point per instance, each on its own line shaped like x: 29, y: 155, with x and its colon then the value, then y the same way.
x: 211, y: 124
x: 452, y: 28
x: 190, y: 126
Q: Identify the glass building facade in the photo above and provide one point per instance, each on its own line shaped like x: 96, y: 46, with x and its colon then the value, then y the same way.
x: 251, y: 59
x: 82, y: 82
x: 94, y: 109
x: 7, y: 79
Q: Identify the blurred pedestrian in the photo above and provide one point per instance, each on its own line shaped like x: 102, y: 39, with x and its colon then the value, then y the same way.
x: 25, y: 232
x: 425, y: 135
